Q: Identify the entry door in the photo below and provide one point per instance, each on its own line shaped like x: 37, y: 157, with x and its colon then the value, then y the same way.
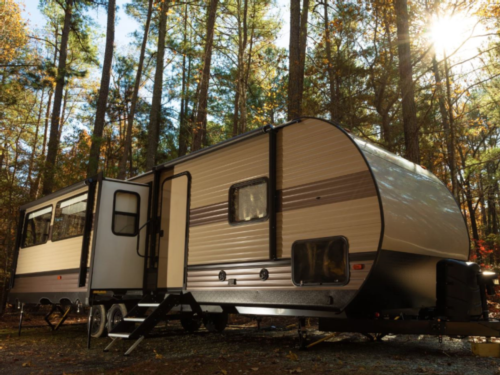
x: 174, y: 211
x: 122, y: 210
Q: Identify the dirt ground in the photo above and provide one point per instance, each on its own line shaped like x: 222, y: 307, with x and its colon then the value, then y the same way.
x: 241, y: 349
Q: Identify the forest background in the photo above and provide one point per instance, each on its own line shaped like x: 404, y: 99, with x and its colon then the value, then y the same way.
x: 86, y: 91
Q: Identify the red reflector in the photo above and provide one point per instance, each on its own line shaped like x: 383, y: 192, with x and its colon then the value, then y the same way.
x: 358, y: 267
x: 59, y: 277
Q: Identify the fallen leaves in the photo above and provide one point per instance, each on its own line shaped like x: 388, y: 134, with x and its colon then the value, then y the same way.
x: 292, y: 356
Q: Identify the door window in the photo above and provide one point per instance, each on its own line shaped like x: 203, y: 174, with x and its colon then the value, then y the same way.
x: 126, y: 213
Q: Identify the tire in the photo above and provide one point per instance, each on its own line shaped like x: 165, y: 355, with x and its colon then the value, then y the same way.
x: 115, y: 315
x: 98, y: 324
x: 190, y: 324
x: 215, y: 322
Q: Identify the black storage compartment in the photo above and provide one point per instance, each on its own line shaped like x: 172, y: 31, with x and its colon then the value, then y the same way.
x: 457, y: 290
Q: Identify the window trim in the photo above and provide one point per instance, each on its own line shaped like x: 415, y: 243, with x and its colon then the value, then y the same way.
x: 137, y: 215
x: 54, y: 218
x: 25, y: 225
x: 347, y: 263
x: 231, y: 208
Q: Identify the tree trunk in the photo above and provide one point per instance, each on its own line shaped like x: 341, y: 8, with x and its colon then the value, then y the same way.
x: 183, y: 123
x: 406, y: 83
x: 302, y: 49
x: 53, y: 147
x: 201, y: 113
x: 102, y: 101
x: 492, y: 227
x: 236, y: 115
x: 122, y: 168
x: 296, y: 61
x: 35, y: 143
x: 65, y: 103
x: 155, y: 116
x: 240, y: 119
x: 472, y: 212
x: 450, y: 147
x: 331, y: 75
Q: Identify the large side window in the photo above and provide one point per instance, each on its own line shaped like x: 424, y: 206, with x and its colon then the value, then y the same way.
x: 320, y: 261
x: 248, y: 201
x: 69, y: 218
x: 37, y: 227
x: 126, y: 213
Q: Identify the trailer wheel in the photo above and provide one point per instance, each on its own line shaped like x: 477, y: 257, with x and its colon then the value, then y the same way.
x: 98, y: 323
x: 190, y: 324
x: 215, y: 322
x: 115, y: 315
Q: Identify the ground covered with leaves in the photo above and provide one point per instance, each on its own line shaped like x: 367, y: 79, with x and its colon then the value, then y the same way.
x: 241, y: 349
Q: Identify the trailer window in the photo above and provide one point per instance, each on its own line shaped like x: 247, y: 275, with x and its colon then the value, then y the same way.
x: 248, y: 201
x: 69, y: 218
x: 320, y: 261
x: 126, y: 213
x: 37, y: 227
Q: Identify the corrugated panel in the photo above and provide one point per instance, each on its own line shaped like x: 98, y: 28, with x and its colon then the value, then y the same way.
x: 214, y: 173
x: 314, y: 150
x: 222, y: 243
x: 358, y: 220
x: 50, y: 256
x: 212, y: 176
x: 279, y: 278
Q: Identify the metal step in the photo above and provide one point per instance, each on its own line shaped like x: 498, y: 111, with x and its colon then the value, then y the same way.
x: 148, y: 304
x: 133, y: 319
x: 119, y: 335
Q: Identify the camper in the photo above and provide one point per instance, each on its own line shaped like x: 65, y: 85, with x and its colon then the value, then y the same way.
x: 302, y: 219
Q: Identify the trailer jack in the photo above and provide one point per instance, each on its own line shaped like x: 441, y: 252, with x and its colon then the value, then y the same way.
x: 302, y: 332
x: 62, y: 313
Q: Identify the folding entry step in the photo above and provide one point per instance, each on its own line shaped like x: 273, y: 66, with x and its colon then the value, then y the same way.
x: 137, y: 325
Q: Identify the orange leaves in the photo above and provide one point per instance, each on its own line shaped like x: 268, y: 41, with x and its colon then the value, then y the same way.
x: 13, y: 31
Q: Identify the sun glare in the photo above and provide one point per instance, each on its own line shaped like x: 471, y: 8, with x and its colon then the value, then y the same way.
x: 458, y: 32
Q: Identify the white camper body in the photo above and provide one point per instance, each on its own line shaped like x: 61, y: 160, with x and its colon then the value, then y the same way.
x: 302, y: 219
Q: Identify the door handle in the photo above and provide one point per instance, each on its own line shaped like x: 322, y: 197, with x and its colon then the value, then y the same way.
x: 139, y: 238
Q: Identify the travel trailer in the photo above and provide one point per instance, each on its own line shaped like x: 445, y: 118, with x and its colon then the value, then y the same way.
x: 303, y: 219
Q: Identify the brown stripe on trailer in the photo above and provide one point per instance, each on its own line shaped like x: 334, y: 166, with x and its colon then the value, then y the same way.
x: 338, y: 189
x: 212, y: 213
x: 334, y: 190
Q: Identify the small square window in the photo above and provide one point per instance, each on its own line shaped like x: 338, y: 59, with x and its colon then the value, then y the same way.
x: 321, y: 261
x: 248, y: 201
x: 126, y: 213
